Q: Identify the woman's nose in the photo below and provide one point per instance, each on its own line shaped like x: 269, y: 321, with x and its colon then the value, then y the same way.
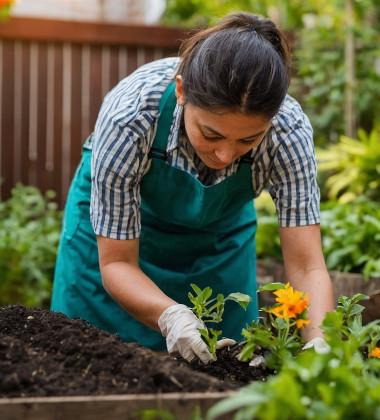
x: 225, y: 153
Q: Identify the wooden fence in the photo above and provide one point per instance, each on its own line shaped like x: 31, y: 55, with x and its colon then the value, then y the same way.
x: 53, y: 77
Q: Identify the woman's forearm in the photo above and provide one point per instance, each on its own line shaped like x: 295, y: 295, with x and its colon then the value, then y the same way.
x: 135, y: 292
x: 317, y: 284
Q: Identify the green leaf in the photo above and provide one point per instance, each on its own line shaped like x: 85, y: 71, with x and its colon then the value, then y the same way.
x: 271, y: 286
x: 241, y: 298
x: 196, y: 289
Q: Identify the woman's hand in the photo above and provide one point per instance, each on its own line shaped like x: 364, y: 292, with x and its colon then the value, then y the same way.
x: 180, y: 327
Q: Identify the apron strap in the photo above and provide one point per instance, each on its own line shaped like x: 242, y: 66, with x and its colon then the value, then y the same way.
x: 166, y: 109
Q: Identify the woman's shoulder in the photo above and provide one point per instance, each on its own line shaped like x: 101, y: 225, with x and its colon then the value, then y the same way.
x: 290, y: 118
x: 140, y: 92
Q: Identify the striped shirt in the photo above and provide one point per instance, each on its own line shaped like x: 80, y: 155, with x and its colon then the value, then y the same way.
x: 284, y: 163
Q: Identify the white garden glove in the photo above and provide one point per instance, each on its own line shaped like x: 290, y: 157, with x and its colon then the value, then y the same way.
x: 180, y: 327
x: 318, y: 344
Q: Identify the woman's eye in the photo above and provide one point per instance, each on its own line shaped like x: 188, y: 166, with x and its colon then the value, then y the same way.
x: 248, y: 141
x: 210, y: 138
x: 256, y: 140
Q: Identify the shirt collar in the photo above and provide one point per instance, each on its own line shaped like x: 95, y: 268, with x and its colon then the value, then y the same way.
x: 175, y: 130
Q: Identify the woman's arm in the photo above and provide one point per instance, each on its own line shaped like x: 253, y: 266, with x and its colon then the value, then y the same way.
x: 123, y: 279
x: 306, y: 271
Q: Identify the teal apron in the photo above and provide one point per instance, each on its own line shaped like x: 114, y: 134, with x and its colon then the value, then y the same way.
x: 191, y: 233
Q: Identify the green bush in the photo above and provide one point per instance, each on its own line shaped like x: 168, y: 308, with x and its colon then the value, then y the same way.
x: 351, y: 167
x: 351, y: 236
x: 30, y: 225
x: 268, y: 244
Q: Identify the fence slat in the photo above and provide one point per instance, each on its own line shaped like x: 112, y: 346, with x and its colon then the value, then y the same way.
x: 53, y: 77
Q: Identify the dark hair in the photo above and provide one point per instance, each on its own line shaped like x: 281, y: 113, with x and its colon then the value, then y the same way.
x: 242, y: 63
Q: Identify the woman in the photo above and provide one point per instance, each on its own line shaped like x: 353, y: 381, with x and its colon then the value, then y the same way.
x: 163, y: 196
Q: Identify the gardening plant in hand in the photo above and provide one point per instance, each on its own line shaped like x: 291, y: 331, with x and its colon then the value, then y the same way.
x: 279, y: 331
x: 211, y: 310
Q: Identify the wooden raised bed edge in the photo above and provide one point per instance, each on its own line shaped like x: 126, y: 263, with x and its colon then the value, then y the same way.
x: 115, y: 407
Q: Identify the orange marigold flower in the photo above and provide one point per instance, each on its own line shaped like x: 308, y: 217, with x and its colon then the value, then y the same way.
x: 6, y: 3
x: 301, y: 322
x: 375, y: 353
x: 292, y: 302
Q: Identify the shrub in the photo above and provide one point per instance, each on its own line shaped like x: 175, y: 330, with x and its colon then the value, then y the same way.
x: 30, y: 226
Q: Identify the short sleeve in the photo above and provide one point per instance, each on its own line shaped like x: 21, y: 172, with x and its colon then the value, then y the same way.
x: 123, y: 135
x: 293, y: 177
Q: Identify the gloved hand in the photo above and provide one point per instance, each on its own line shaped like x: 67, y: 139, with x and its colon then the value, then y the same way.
x: 180, y: 327
x: 318, y: 344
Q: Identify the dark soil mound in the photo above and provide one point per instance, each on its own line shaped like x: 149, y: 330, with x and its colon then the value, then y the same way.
x: 43, y: 353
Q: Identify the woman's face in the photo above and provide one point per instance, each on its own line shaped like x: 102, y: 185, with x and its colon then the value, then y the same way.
x: 221, y: 137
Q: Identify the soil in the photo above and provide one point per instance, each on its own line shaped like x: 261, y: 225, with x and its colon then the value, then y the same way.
x: 43, y: 353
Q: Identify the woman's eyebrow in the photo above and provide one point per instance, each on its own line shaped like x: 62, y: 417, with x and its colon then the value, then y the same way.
x: 212, y: 131
x: 221, y: 135
x: 254, y: 135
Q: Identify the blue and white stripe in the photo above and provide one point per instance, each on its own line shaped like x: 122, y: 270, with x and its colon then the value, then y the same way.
x: 284, y: 163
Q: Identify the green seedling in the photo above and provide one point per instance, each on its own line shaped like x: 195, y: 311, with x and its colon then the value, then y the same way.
x: 209, y: 309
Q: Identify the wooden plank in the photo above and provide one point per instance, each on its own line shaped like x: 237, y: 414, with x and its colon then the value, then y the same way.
x: 114, y: 66
x: 76, y: 107
x: 115, y: 407
x: 56, y: 173
x: 96, y: 94
x: 90, y: 32
x: 25, y: 115
x: 40, y: 162
x: 7, y: 118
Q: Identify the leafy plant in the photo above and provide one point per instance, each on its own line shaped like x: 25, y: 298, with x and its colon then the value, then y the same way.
x: 211, y: 310
x: 352, y: 167
x: 351, y: 236
x: 30, y: 225
x: 342, y: 384
x: 267, y: 235
x: 322, y: 85
x: 278, y: 332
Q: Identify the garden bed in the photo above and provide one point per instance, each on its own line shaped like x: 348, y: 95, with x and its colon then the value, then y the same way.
x: 50, y: 362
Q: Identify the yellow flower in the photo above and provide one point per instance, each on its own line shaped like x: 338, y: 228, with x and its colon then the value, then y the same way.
x: 292, y: 303
x: 375, y: 353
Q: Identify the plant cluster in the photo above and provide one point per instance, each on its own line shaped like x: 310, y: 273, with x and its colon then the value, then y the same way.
x: 279, y: 331
x: 343, y: 383
x: 351, y: 167
x: 210, y: 310
x: 351, y: 236
x: 30, y: 225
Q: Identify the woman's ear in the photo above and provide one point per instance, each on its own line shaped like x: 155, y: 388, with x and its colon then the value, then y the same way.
x: 179, y: 92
